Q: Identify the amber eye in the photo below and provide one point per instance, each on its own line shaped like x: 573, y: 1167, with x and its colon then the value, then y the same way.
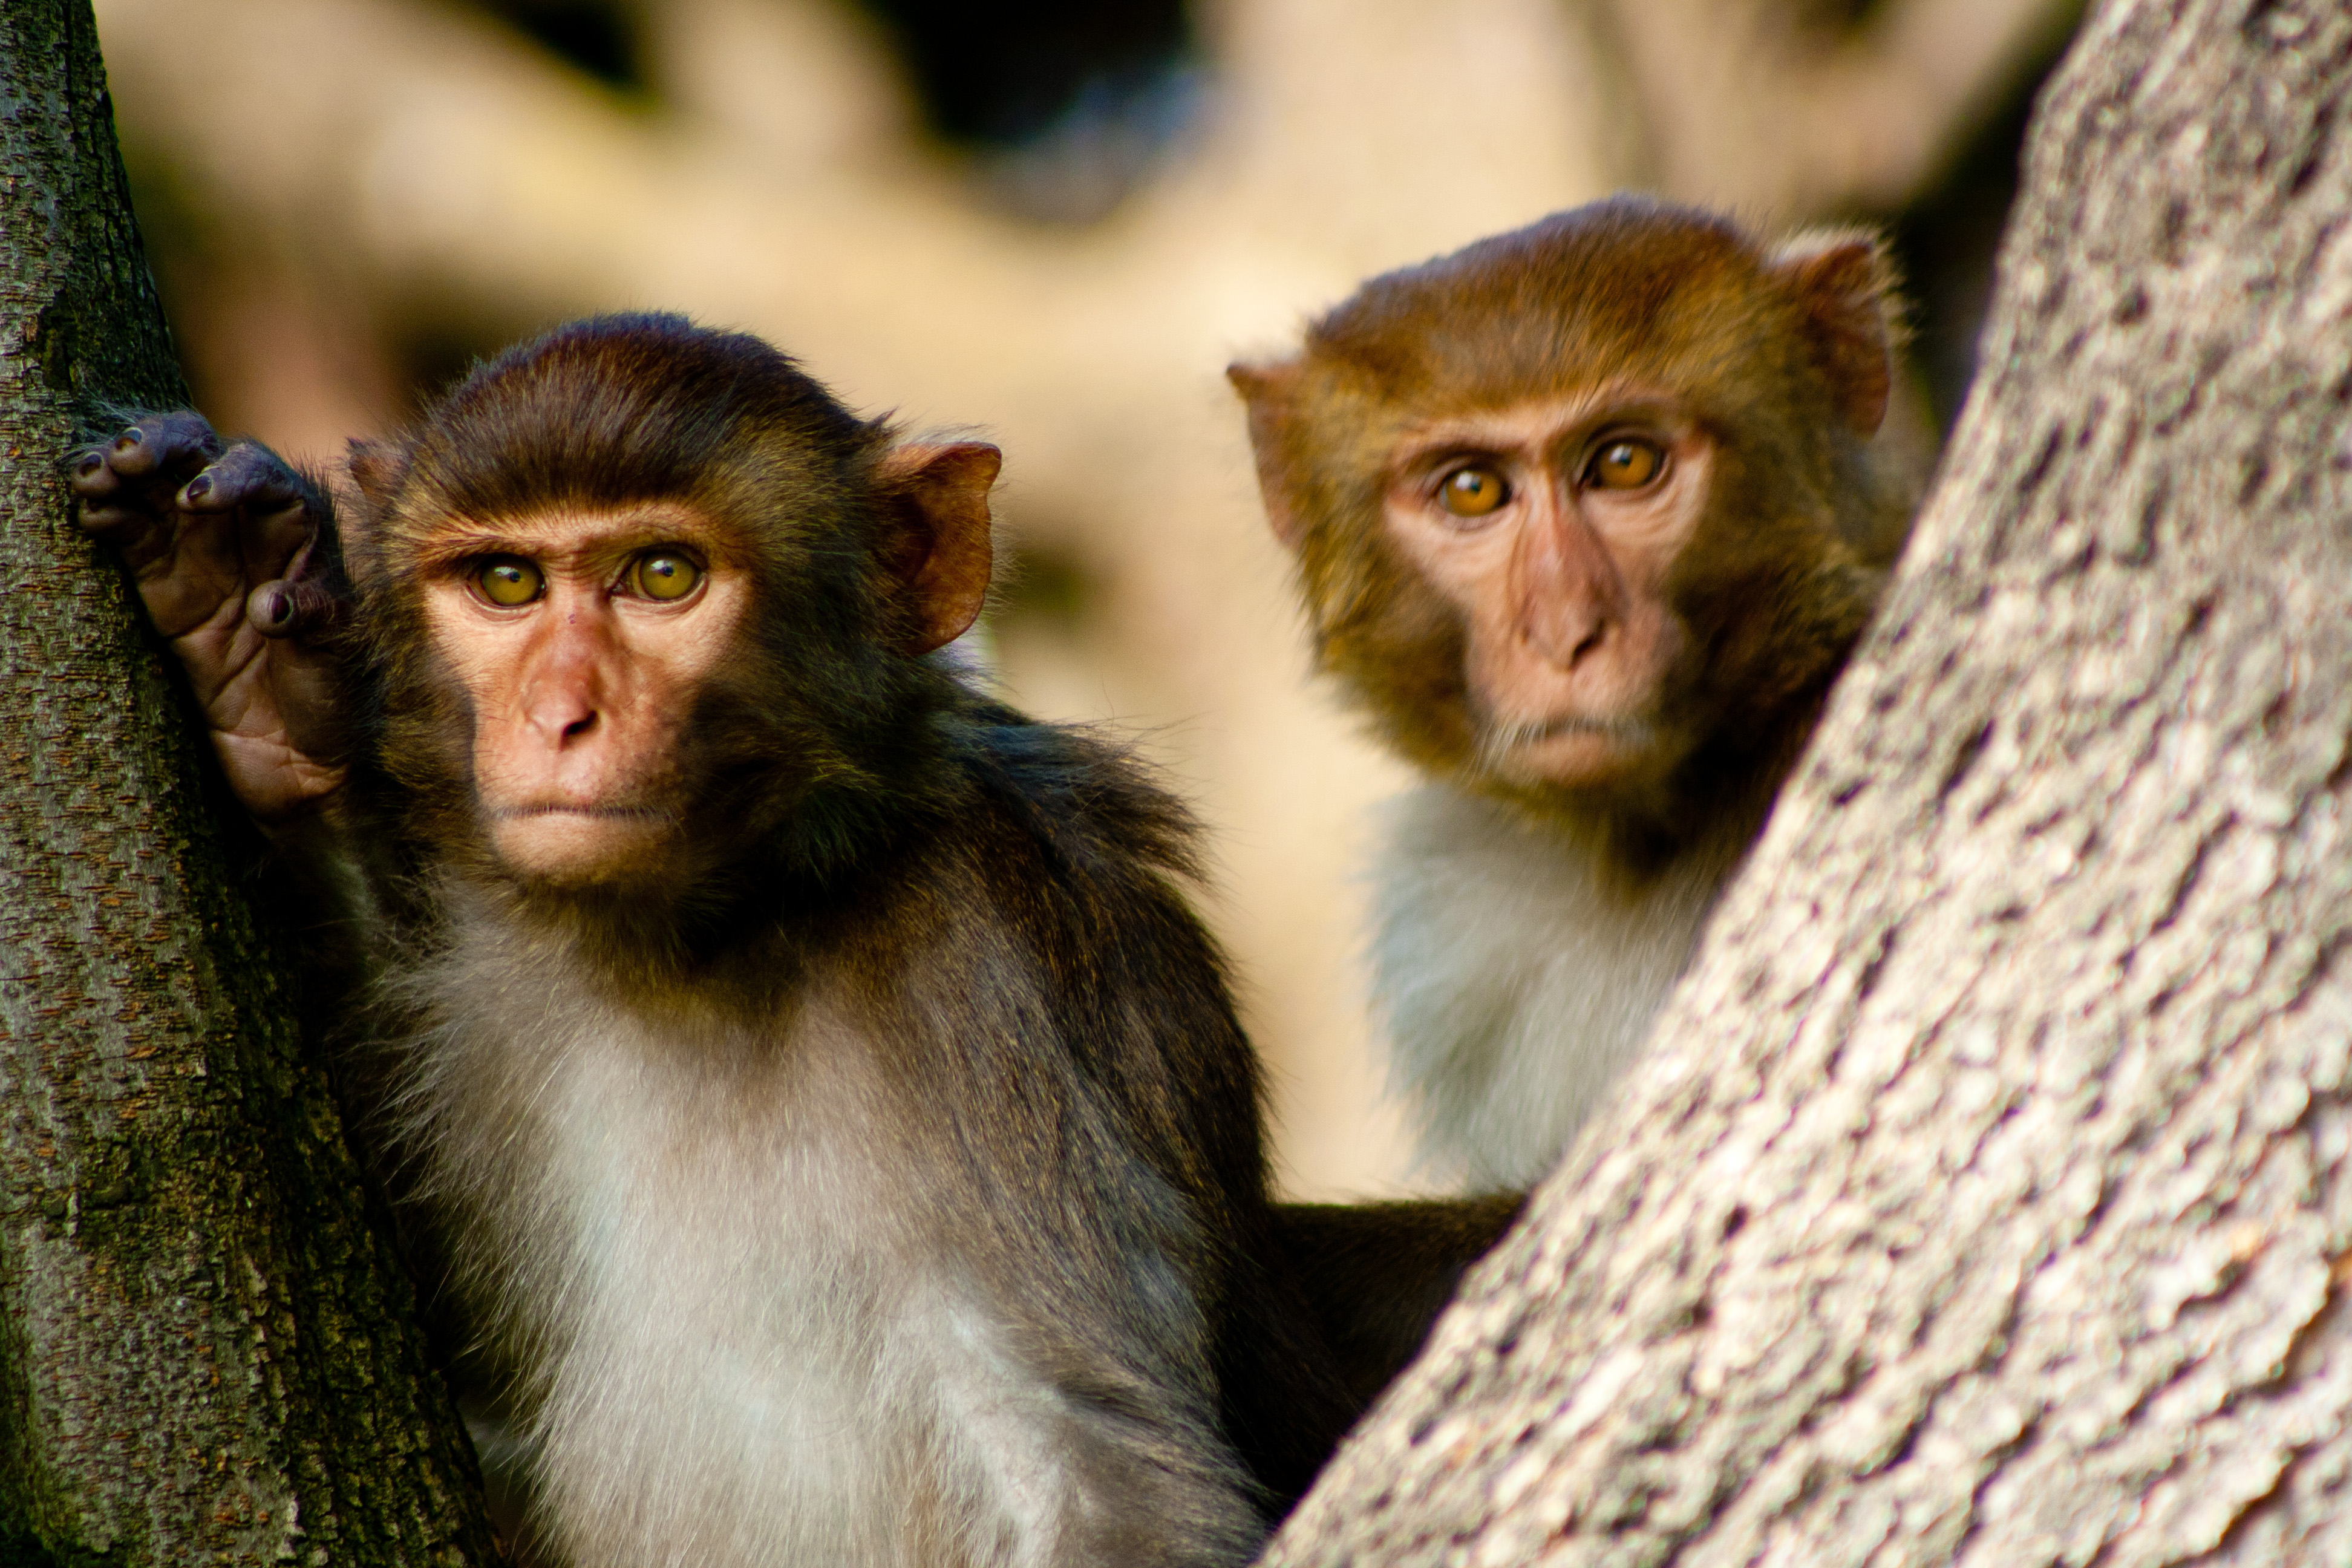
x: 1626, y: 464
x: 1473, y: 492
x: 509, y: 580
x: 662, y: 576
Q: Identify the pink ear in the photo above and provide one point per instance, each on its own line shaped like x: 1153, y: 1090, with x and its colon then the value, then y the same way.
x: 1844, y: 285
x: 939, y: 495
x: 1270, y: 391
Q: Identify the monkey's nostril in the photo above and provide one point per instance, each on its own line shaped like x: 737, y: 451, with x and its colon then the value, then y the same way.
x: 1564, y: 647
x: 578, y: 726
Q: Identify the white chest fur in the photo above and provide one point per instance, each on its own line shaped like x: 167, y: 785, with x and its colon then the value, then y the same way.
x: 749, y: 1342
x: 1514, y: 982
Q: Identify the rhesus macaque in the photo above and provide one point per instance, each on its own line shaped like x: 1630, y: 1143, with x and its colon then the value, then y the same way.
x: 1586, y: 517
x: 830, y: 1118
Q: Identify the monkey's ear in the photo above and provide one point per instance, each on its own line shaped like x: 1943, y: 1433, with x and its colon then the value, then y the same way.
x: 1270, y: 391
x: 377, y: 468
x: 935, y: 496
x: 1845, y: 283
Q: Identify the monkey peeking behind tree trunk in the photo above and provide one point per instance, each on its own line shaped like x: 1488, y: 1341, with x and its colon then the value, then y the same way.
x: 1587, y: 517
x: 828, y: 1117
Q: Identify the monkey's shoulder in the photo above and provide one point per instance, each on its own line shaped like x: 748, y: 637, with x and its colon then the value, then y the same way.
x: 1080, y: 857
x: 1086, y: 854
x: 1081, y: 796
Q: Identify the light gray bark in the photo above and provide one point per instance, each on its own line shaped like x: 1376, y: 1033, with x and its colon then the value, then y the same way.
x: 1985, y: 1196
x: 206, y: 1353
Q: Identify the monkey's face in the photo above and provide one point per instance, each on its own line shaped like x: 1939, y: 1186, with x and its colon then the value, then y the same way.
x: 1549, y: 529
x: 580, y: 640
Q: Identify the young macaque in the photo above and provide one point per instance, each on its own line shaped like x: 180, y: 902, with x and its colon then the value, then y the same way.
x: 828, y: 1117
x: 1587, y: 517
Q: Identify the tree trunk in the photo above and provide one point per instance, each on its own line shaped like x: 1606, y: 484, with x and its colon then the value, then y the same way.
x: 1984, y: 1197
x: 207, y: 1353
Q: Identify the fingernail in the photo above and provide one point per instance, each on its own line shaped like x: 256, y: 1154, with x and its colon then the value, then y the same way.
x: 90, y: 463
x: 198, y: 488
x: 275, y: 607
x: 129, y: 438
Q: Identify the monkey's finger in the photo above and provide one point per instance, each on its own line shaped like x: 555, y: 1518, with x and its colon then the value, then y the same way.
x: 272, y: 503
x: 248, y: 474
x: 187, y: 567
x: 125, y: 485
x: 163, y: 446
x: 112, y: 479
x: 91, y: 478
x: 306, y: 671
x: 300, y: 610
x: 128, y: 524
x: 109, y: 517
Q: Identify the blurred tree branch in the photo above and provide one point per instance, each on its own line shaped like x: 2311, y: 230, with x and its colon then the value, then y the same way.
x: 1750, y: 108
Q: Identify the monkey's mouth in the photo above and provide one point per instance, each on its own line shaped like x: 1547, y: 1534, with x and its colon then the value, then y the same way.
x: 1498, y: 740
x: 581, y: 842
x: 601, y: 813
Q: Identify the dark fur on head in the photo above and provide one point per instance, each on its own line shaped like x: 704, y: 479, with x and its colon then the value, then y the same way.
x: 1780, y: 354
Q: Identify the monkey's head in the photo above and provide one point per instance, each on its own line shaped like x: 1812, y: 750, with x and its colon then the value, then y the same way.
x: 1578, y: 501
x: 646, y: 605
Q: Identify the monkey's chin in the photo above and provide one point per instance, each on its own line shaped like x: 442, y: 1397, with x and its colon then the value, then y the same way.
x: 585, y: 847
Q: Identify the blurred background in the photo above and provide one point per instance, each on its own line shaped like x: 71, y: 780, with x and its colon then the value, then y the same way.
x: 1050, y: 222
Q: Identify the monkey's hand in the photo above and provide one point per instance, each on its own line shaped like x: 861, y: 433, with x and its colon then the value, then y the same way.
x: 226, y: 546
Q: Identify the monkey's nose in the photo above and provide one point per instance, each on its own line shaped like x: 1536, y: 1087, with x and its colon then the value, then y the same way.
x: 1563, y: 640
x: 1567, y: 589
x: 561, y: 719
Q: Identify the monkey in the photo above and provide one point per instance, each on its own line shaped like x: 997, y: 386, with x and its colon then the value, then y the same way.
x: 1585, y: 518
x: 824, y: 1122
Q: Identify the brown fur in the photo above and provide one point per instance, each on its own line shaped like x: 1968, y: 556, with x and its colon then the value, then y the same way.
x: 1781, y: 356
x: 1605, y: 689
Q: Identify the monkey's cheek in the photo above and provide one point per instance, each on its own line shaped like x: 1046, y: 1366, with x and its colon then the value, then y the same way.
x: 584, y: 849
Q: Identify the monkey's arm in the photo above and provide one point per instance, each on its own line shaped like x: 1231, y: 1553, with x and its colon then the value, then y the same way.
x: 1377, y: 1275
x: 232, y: 554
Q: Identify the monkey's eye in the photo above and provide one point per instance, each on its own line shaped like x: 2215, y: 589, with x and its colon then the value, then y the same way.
x: 509, y: 580
x: 1472, y: 491
x: 1626, y: 463
x: 664, y: 575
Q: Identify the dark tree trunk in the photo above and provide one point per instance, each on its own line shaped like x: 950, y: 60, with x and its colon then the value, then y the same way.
x: 206, y: 1353
x: 1985, y: 1196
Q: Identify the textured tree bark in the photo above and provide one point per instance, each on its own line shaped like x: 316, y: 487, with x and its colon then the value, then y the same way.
x: 206, y: 1353
x: 1985, y: 1197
